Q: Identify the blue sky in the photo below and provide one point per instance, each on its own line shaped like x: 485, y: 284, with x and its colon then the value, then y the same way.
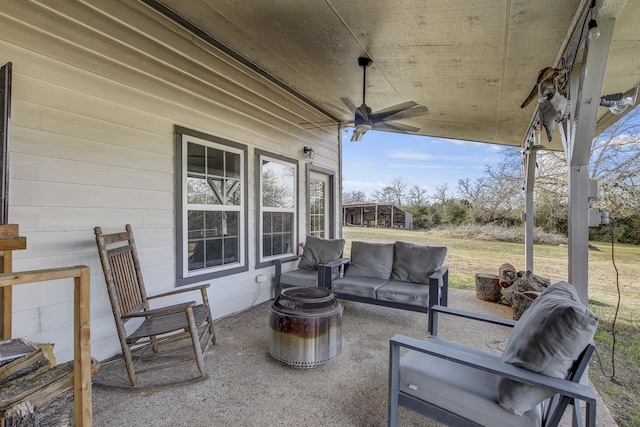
x: 374, y: 162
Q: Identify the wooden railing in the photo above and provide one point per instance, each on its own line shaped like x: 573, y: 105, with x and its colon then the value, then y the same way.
x: 82, y: 334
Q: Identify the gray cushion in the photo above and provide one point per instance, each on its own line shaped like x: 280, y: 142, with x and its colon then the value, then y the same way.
x: 373, y: 260
x: 409, y: 293
x: 548, y: 338
x: 360, y: 286
x: 317, y: 251
x: 299, y: 277
x: 415, y: 263
x: 468, y: 392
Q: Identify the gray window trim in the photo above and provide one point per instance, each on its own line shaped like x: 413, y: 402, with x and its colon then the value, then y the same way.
x: 258, y: 155
x: 180, y: 280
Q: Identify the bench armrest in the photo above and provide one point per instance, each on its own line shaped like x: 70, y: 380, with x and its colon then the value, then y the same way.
x: 324, y: 271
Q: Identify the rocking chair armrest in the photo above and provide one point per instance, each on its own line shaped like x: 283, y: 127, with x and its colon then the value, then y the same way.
x: 432, y: 347
x: 162, y: 311
x: 180, y: 291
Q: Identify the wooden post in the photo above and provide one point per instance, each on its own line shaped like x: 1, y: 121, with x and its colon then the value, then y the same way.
x: 9, y: 241
x: 82, y: 333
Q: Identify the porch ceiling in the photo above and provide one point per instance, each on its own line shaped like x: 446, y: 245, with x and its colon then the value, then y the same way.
x: 472, y: 63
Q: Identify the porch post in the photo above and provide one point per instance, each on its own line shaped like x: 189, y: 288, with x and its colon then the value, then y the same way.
x: 587, y: 103
x: 529, y: 180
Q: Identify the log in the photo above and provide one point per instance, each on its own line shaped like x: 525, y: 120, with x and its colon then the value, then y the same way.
x: 528, y: 282
x: 22, y: 366
x: 20, y: 415
x: 521, y: 302
x: 26, y: 385
x: 487, y: 287
x: 507, y: 274
x: 49, y: 393
x: 539, y: 282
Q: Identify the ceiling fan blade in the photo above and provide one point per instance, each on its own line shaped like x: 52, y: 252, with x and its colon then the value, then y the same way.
x: 350, y: 105
x: 394, y: 127
x: 357, y: 135
x: 411, y: 112
x: 342, y: 109
x: 397, y: 108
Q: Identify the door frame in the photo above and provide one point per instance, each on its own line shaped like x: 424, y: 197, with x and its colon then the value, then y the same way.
x: 331, y: 196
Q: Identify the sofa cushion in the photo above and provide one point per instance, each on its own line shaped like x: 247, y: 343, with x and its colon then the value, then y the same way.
x: 548, y: 338
x: 360, y: 286
x: 317, y: 250
x: 415, y: 263
x: 403, y: 292
x: 374, y: 260
x: 300, y: 277
x: 457, y: 388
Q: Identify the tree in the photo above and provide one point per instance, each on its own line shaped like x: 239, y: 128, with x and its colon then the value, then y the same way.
x: 417, y: 196
x: 498, y: 194
x: 354, y: 197
x: 393, y: 194
x: 615, y: 163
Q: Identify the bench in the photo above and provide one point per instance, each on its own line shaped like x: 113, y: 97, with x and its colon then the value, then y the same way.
x: 399, y: 275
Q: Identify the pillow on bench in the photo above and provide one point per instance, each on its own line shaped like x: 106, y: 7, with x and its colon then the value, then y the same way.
x: 416, y: 263
x: 317, y: 250
x: 371, y: 260
x: 547, y: 339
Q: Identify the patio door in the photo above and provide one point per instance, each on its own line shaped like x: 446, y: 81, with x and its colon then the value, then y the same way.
x: 320, y: 210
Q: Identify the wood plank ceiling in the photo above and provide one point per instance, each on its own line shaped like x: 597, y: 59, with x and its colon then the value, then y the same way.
x: 471, y: 63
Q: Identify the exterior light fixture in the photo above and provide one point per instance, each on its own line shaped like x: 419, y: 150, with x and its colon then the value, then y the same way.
x: 594, y: 32
x: 308, y: 153
x: 618, y: 102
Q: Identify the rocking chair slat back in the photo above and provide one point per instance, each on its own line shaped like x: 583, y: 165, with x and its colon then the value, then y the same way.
x: 123, y: 268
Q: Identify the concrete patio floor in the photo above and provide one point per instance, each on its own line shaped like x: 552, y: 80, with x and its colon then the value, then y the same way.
x: 246, y: 387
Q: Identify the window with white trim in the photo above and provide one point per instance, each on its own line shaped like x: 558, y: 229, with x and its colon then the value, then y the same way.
x: 278, y: 201
x: 213, y: 207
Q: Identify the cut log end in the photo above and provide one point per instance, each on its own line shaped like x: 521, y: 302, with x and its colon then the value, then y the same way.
x: 507, y: 274
x: 487, y: 287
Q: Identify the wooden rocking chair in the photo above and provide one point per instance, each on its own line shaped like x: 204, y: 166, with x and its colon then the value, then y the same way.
x: 129, y: 300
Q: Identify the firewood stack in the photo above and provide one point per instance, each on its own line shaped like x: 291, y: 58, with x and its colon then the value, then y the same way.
x: 516, y: 289
x: 30, y: 380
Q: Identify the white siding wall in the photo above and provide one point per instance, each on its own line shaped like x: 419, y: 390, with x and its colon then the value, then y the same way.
x: 97, y: 89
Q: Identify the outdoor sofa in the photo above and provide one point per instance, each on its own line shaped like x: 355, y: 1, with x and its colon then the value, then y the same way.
x: 400, y: 275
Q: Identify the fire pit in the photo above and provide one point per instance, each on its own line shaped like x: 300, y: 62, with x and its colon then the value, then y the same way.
x: 305, y: 327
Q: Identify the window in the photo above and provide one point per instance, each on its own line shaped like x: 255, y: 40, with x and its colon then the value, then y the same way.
x: 211, y: 235
x: 277, y: 201
x: 317, y: 208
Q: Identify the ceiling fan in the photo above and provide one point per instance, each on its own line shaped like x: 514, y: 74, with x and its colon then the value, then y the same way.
x: 365, y: 119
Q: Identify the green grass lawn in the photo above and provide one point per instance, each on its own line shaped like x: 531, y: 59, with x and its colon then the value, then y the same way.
x: 466, y: 257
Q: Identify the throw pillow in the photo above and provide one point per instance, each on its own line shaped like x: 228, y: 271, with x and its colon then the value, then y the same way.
x: 415, y: 263
x: 373, y: 260
x: 548, y: 338
x: 317, y: 250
